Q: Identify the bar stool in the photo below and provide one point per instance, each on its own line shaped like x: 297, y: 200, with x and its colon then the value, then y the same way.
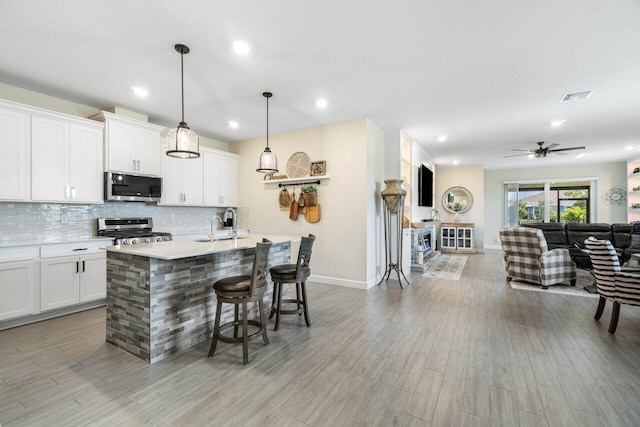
x: 242, y: 290
x: 293, y: 273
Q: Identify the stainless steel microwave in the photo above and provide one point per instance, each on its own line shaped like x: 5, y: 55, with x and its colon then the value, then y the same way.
x: 132, y: 188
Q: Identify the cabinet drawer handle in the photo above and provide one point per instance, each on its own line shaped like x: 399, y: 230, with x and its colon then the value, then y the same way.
x: 77, y: 267
x: 83, y: 267
x: 134, y: 165
x: 80, y: 249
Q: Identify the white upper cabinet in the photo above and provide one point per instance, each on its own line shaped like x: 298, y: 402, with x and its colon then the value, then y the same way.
x: 66, y: 160
x: 132, y: 146
x: 220, y: 178
x: 49, y: 159
x: 14, y: 145
x: 181, y: 181
x: 86, y: 177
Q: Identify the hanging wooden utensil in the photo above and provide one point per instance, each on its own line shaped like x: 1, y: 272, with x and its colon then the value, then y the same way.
x: 313, y: 213
x: 293, y: 211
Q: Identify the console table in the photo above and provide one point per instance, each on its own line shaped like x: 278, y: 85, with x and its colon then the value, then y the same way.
x: 457, y: 237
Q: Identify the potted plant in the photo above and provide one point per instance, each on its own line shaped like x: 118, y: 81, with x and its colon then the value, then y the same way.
x: 310, y: 194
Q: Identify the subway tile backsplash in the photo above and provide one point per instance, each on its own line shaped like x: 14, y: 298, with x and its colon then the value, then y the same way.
x: 50, y: 221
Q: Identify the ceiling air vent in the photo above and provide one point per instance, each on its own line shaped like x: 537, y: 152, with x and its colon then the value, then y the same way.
x: 576, y: 96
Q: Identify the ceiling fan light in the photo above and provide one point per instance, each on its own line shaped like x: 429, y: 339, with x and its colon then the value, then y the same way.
x: 183, y: 143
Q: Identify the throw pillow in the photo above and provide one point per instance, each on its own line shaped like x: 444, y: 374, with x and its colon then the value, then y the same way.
x: 635, y: 241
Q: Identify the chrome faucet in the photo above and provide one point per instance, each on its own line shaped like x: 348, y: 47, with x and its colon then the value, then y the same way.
x: 213, y: 218
x: 234, y: 226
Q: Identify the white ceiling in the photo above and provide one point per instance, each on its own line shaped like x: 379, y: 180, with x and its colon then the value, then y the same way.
x: 490, y: 74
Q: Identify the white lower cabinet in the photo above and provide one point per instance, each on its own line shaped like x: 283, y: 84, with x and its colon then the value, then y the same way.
x: 59, y: 282
x: 18, y: 281
x: 72, y: 279
x: 93, y: 281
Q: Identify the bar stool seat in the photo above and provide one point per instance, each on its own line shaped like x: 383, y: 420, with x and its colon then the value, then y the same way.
x: 236, y: 284
x: 293, y: 273
x: 240, y: 290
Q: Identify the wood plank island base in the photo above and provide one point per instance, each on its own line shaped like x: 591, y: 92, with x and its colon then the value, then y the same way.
x: 159, y: 295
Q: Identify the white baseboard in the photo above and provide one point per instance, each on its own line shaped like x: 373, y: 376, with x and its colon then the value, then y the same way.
x: 493, y: 247
x: 355, y: 284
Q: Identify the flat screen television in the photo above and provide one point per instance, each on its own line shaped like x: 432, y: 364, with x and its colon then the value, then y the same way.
x: 425, y: 186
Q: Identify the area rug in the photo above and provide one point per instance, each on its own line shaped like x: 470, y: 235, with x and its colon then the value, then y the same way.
x: 447, y: 267
x: 584, y: 287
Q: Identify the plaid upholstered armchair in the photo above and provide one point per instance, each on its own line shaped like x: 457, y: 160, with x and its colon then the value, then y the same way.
x: 527, y: 258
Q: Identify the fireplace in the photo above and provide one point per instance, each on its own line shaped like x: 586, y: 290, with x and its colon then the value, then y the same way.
x: 423, y: 245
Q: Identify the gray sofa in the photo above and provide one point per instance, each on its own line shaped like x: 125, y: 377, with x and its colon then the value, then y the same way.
x: 570, y: 236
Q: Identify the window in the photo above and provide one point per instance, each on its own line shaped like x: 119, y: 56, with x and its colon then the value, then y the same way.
x: 535, y: 202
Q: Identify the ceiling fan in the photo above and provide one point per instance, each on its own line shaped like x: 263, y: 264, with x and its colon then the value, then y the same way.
x: 543, y: 151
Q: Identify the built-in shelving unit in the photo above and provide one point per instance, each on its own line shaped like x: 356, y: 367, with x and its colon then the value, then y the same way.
x: 294, y: 181
x: 633, y: 196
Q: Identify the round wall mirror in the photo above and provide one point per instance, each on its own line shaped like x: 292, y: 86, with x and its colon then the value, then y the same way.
x: 457, y: 200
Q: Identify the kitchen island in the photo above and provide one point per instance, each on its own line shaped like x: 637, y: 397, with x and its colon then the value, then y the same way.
x: 159, y: 295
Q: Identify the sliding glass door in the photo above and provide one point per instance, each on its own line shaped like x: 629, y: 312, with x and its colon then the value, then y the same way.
x: 547, y: 201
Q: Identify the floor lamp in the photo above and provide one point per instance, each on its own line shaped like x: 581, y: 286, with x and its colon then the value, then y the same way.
x: 393, y: 196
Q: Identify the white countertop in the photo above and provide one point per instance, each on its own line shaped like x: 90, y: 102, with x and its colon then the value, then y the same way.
x: 38, y: 241
x: 177, y: 249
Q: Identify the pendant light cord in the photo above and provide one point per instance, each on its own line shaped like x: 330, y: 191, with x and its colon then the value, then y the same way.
x: 267, y: 122
x: 182, y: 81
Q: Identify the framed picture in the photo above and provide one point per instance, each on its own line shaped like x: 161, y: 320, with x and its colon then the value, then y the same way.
x: 318, y: 168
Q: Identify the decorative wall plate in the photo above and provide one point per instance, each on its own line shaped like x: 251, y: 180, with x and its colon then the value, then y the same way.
x: 298, y: 165
x: 616, y: 196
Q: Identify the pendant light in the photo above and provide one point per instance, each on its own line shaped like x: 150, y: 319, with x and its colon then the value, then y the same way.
x: 268, y: 161
x: 182, y: 142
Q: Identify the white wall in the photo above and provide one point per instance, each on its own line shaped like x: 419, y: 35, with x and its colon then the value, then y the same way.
x: 471, y: 178
x: 608, y: 174
x: 375, y: 184
x: 392, y: 154
x: 344, y: 232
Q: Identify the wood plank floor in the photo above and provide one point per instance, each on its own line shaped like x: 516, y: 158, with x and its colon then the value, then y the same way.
x: 471, y: 352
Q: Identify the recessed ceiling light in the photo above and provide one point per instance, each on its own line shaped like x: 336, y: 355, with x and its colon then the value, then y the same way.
x: 557, y: 123
x: 240, y: 47
x: 629, y: 147
x: 580, y: 155
x: 455, y: 162
x: 321, y: 103
x: 530, y: 156
x: 233, y: 124
x: 140, y: 91
x: 442, y: 138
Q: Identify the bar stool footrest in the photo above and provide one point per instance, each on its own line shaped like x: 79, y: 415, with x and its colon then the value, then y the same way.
x: 297, y: 311
x: 230, y: 325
